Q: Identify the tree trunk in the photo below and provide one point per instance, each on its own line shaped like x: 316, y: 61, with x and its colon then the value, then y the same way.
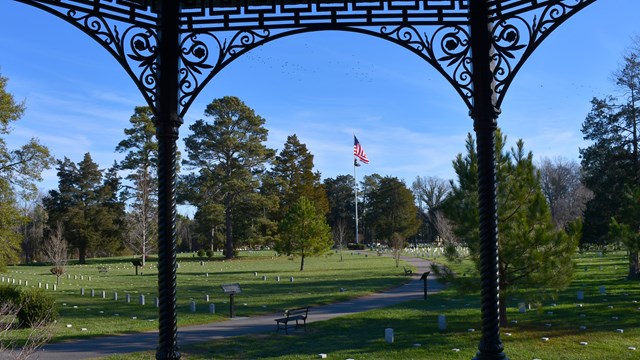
x: 503, y: 311
x: 302, y: 262
x: 229, y: 234
x: 82, y: 255
x: 634, y: 265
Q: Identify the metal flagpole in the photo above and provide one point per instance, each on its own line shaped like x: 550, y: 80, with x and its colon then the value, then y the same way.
x: 355, y: 187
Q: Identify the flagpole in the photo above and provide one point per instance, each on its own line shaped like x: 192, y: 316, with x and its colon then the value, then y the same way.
x: 355, y: 187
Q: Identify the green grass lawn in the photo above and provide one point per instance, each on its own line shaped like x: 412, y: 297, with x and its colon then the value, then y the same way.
x: 417, y: 336
x: 318, y: 284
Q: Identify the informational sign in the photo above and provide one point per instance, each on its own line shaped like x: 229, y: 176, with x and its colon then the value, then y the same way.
x: 231, y: 288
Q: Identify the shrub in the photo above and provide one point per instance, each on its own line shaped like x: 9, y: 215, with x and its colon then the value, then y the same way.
x: 9, y: 294
x: 209, y: 253
x: 202, y: 253
x: 36, y: 308
x: 354, y: 246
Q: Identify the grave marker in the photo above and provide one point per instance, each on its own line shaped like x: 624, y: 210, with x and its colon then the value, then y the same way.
x: 442, y: 322
x: 388, y: 335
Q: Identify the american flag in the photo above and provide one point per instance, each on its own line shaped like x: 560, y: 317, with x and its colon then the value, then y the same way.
x: 358, y: 151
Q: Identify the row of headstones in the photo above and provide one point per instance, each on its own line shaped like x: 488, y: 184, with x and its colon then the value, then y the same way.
x: 19, y: 282
x: 142, y: 300
x: 615, y: 267
x: 264, y: 277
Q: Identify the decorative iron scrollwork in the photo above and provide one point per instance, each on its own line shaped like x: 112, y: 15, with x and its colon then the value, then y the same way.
x: 447, y: 48
x: 200, y: 61
x: 135, y: 48
x: 517, y: 34
x: 214, y: 33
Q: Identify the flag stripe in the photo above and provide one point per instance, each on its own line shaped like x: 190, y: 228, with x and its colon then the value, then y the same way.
x: 358, y: 151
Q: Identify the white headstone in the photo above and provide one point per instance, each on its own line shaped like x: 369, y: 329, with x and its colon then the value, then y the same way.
x: 157, y: 302
x: 82, y: 291
x: 46, y: 286
x: 193, y: 306
x: 277, y: 278
x: 206, y: 298
x: 264, y: 278
x: 39, y: 285
x: 115, y: 296
x: 291, y: 279
x: 55, y: 287
x: 128, y: 298
x: 93, y: 293
x: 522, y: 308
x: 141, y: 299
x: 388, y: 335
x: 104, y: 294
x: 442, y: 322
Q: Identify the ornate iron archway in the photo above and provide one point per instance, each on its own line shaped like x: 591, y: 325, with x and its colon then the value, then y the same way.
x: 172, y: 49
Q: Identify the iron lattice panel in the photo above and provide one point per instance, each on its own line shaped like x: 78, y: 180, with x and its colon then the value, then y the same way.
x: 215, y: 32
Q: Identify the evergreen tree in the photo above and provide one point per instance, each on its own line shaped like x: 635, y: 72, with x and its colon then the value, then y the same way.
x: 87, y: 207
x: 612, y: 162
x: 304, y: 232
x: 533, y: 253
x: 230, y: 154
x: 341, y: 199
x: 293, y: 176
x: 141, y: 158
x: 392, y: 211
x: 626, y: 229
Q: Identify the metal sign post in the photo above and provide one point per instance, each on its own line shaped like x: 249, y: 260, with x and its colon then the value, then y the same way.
x: 232, y: 290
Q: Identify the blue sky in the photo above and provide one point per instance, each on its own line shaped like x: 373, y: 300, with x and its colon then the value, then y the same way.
x: 323, y: 87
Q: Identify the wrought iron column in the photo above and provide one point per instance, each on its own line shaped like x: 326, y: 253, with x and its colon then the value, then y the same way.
x: 168, y: 122
x: 485, y: 115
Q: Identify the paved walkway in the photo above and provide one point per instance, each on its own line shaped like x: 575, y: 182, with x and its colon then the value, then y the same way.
x: 104, y: 346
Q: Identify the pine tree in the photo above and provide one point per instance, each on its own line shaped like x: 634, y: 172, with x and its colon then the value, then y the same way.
x: 612, y: 162
x: 534, y: 255
x: 141, y: 149
x: 87, y: 207
x: 392, y: 210
x: 230, y: 155
x: 294, y: 177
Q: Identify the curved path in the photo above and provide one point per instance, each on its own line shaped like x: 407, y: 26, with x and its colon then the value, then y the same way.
x: 105, y: 346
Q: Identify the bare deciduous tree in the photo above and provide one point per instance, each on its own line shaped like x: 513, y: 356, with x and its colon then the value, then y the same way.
x: 339, y: 232
x: 397, y: 245
x: 444, y: 229
x: 55, y: 249
x: 565, y: 192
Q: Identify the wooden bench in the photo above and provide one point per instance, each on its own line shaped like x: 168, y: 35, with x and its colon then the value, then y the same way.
x: 297, y: 314
x: 407, y: 271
